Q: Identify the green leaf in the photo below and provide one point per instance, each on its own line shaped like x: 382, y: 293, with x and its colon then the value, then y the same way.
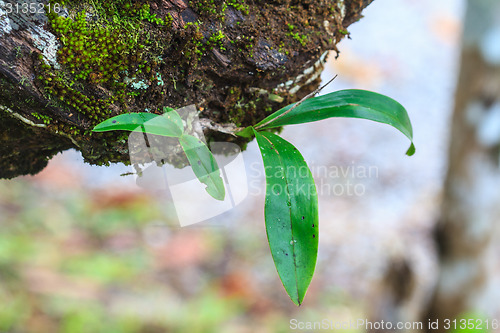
x: 204, y: 165
x: 172, y: 115
x: 350, y: 103
x: 247, y: 132
x: 144, y: 122
x: 170, y: 124
x: 291, y: 213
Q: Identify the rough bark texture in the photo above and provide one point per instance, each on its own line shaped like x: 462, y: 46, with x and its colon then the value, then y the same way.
x: 69, y: 65
x: 471, y: 209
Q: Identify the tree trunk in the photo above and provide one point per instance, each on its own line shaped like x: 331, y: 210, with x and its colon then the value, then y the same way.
x: 69, y: 65
x: 471, y: 207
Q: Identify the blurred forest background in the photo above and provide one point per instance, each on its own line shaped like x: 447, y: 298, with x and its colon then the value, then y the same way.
x: 83, y: 249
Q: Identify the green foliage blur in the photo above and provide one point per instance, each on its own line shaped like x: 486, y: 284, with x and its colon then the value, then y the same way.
x: 79, y: 259
x: 71, y: 263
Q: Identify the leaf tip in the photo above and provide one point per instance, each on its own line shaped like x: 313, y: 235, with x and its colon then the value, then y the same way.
x: 98, y: 128
x: 411, y: 150
x: 296, y: 299
x: 217, y: 195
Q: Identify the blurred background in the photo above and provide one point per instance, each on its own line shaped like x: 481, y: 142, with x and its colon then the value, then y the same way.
x: 83, y: 249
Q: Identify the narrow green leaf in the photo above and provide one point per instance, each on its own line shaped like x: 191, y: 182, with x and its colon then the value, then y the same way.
x: 127, y: 122
x: 350, y: 103
x: 204, y: 165
x: 142, y: 121
x: 291, y: 213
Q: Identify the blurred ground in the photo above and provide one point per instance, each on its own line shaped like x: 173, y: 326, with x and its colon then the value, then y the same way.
x: 85, y: 250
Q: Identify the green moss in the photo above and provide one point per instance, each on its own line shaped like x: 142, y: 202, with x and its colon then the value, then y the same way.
x: 102, y: 44
x: 210, y: 8
x: 218, y: 9
x: 302, y: 39
x: 217, y: 40
x: 44, y: 118
x: 243, y: 110
x: 239, y: 5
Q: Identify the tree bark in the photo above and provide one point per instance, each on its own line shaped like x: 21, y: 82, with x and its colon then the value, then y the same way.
x: 471, y: 208
x: 69, y: 65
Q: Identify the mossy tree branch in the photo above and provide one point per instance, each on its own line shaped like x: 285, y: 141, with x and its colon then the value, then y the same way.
x: 71, y: 64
